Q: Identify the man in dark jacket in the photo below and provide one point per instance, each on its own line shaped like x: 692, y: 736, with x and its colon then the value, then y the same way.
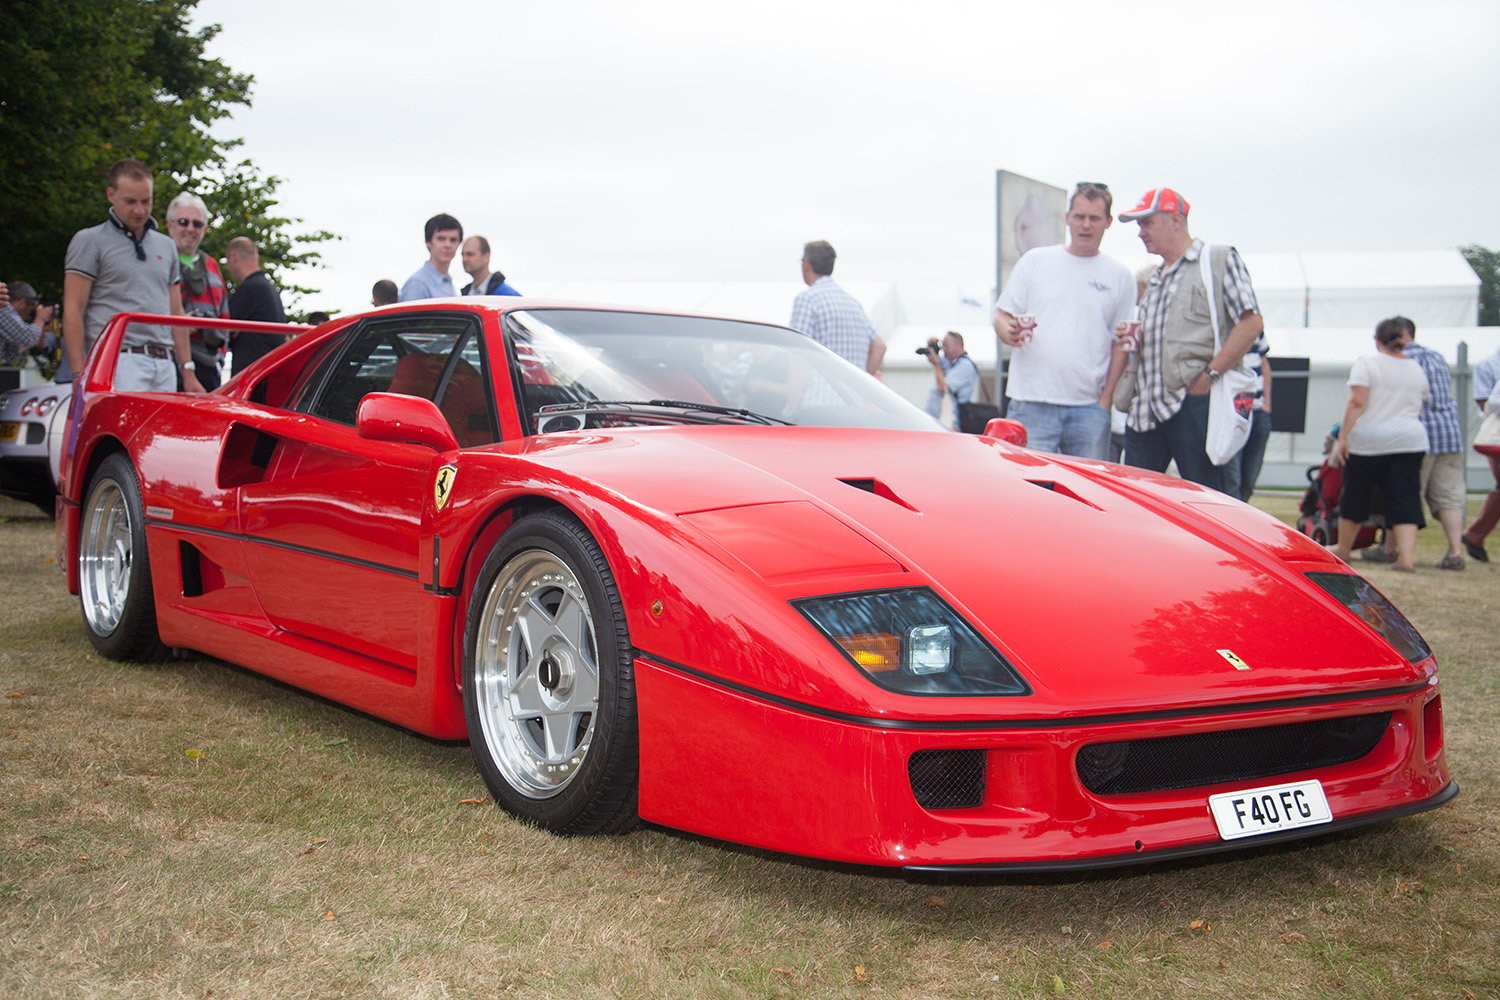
x: 254, y: 298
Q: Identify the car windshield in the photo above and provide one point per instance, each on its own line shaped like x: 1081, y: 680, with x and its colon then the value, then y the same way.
x: 594, y: 368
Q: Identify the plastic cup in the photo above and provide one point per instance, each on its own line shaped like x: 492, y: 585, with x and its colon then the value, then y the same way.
x: 1025, y: 323
x: 1132, y: 335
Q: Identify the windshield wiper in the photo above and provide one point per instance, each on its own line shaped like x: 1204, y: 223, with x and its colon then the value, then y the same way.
x: 697, y: 413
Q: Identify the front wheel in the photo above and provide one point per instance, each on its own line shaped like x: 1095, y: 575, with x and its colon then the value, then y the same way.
x: 114, y: 572
x: 549, y: 690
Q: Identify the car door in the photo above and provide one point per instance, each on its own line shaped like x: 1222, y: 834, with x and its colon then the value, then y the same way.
x: 333, y: 526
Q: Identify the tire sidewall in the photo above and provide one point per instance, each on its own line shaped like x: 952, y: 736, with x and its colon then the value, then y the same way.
x: 134, y: 637
x: 597, y: 791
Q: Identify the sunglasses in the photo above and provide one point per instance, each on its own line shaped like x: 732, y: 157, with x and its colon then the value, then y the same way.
x: 1093, y: 184
x: 194, y: 223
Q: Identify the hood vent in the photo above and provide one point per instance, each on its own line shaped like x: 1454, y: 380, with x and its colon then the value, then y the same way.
x: 878, y: 488
x: 1062, y: 490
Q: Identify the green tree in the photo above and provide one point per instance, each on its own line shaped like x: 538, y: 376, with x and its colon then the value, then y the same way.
x: 86, y: 82
x: 1486, y: 264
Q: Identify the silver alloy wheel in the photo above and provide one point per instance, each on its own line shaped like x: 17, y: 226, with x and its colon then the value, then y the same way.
x: 104, y: 557
x: 536, y: 675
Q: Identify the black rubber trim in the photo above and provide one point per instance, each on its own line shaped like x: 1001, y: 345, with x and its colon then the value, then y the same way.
x: 875, y: 722
x: 156, y: 522
x: 1449, y: 792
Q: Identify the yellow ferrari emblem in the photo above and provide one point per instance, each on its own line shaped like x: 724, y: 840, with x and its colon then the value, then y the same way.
x: 1234, y: 660
x: 444, y: 485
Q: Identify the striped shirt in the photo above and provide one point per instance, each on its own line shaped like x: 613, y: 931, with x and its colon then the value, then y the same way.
x: 1154, y: 403
x: 835, y: 319
x: 1440, y: 412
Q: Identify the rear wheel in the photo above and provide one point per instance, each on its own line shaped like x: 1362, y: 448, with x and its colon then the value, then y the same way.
x: 114, y: 573
x: 549, y: 692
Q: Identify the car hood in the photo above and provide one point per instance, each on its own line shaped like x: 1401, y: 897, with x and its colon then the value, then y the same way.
x: 1099, y: 583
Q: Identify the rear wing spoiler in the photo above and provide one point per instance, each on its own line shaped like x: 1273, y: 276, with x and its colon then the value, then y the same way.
x: 98, y: 375
x: 99, y: 367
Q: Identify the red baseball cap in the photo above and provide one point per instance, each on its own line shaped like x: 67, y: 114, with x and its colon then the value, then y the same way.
x: 1156, y: 200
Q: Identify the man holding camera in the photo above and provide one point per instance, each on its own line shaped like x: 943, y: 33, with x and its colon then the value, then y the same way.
x: 953, y: 372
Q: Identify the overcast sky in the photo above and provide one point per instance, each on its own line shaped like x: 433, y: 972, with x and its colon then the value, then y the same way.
x: 701, y: 141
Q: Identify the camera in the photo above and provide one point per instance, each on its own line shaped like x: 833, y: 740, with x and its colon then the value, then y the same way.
x: 931, y: 348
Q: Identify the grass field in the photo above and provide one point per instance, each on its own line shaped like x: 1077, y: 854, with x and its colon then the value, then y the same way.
x: 188, y: 829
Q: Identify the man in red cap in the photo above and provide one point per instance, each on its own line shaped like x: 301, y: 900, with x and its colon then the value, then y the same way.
x: 1178, y: 361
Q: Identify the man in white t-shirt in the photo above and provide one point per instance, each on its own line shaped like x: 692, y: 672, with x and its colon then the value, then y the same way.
x: 1063, y: 371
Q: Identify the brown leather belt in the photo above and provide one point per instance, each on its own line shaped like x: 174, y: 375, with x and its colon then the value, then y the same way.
x: 155, y: 350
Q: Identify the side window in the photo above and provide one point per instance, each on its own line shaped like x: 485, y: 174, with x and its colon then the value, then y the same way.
x: 434, y: 357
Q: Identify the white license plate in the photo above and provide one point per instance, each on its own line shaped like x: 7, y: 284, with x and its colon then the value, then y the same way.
x: 1273, y: 807
x: 8, y: 431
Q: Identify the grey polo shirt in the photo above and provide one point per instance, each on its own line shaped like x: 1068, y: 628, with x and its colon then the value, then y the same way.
x: 122, y: 281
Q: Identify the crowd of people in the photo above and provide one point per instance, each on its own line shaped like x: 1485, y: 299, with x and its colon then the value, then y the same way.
x: 126, y: 264
x: 1103, y: 364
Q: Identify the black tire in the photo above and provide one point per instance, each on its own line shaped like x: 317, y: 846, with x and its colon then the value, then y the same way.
x: 114, y: 571
x: 1320, y: 532
x: 548, y: 682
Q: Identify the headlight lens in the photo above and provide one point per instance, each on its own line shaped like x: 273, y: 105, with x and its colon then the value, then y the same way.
x: 44, y: 406
x: 28, y: 406
x: 1371, y: 607
x: 912, y: 642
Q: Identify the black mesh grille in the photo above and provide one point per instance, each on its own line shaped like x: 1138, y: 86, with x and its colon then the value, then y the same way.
x: 1236, y: 755
x: 947, y: 779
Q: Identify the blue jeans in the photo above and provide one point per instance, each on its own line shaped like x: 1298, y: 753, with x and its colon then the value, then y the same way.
x: 1241, y: 471
x: 1183, y: 439
x: 1080, y: 431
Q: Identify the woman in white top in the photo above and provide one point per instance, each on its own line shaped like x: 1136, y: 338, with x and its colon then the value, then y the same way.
x: 1381, y: 443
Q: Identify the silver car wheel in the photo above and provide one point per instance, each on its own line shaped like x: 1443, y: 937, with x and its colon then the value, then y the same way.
x: 537, y: 674
x: 104, y: 558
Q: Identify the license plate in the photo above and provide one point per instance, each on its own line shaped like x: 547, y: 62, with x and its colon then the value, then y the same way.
x: 1273, y: 807
x: 8, y: 431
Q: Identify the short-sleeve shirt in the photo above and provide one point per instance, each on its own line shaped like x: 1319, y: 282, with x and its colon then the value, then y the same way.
x: 1486, y: 377
x: 122, y: 281
x: 1440, y: 412
x: 961, y: 376
x: 835, y: 319
x: 1077, y: 301
x: 1390, y: 423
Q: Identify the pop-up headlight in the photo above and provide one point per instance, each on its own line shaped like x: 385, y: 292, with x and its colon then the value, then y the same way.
x: 911, y: 641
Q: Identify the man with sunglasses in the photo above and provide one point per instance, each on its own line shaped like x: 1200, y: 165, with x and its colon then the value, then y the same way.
x: 1063, y: 371
x: 125, y: 265
x: 202, y: 287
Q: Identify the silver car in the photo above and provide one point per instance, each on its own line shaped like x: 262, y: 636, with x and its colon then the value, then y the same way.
x: 32, y: 422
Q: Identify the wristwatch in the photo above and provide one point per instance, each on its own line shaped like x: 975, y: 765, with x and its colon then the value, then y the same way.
x: 1213, y: 376
x: 188, y: 366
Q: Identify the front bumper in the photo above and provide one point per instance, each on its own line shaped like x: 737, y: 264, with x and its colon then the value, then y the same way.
x: 741, y: 766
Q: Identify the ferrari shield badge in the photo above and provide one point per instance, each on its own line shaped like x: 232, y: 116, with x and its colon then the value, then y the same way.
x: 444, y: 485
x: 1228, y: 654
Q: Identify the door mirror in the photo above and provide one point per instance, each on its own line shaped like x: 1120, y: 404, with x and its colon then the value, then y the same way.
x: 1005, y: 429
x: 391, y: 416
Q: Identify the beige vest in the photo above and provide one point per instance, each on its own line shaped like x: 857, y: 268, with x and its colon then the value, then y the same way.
x: 1188, y: 334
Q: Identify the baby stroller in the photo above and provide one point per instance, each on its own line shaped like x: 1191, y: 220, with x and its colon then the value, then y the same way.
x: 1320, y: 504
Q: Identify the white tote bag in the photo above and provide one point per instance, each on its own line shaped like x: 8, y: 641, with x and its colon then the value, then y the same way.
x: 1232, y: 397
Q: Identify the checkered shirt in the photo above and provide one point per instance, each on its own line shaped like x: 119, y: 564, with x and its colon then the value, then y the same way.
x: 835, y: 319
x: 16, y: 335
x: 1154, y: 404
x: 1440, y: 412
x: 1486, y: 374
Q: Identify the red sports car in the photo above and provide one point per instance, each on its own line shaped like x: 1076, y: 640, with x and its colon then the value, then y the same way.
x: 704, y: 573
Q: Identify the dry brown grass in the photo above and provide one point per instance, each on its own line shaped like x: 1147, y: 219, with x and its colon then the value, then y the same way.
x: 192, y: 830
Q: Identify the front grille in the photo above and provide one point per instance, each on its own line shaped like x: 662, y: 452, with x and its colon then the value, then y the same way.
x: 947, y: 779
x: 1169, y: 762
